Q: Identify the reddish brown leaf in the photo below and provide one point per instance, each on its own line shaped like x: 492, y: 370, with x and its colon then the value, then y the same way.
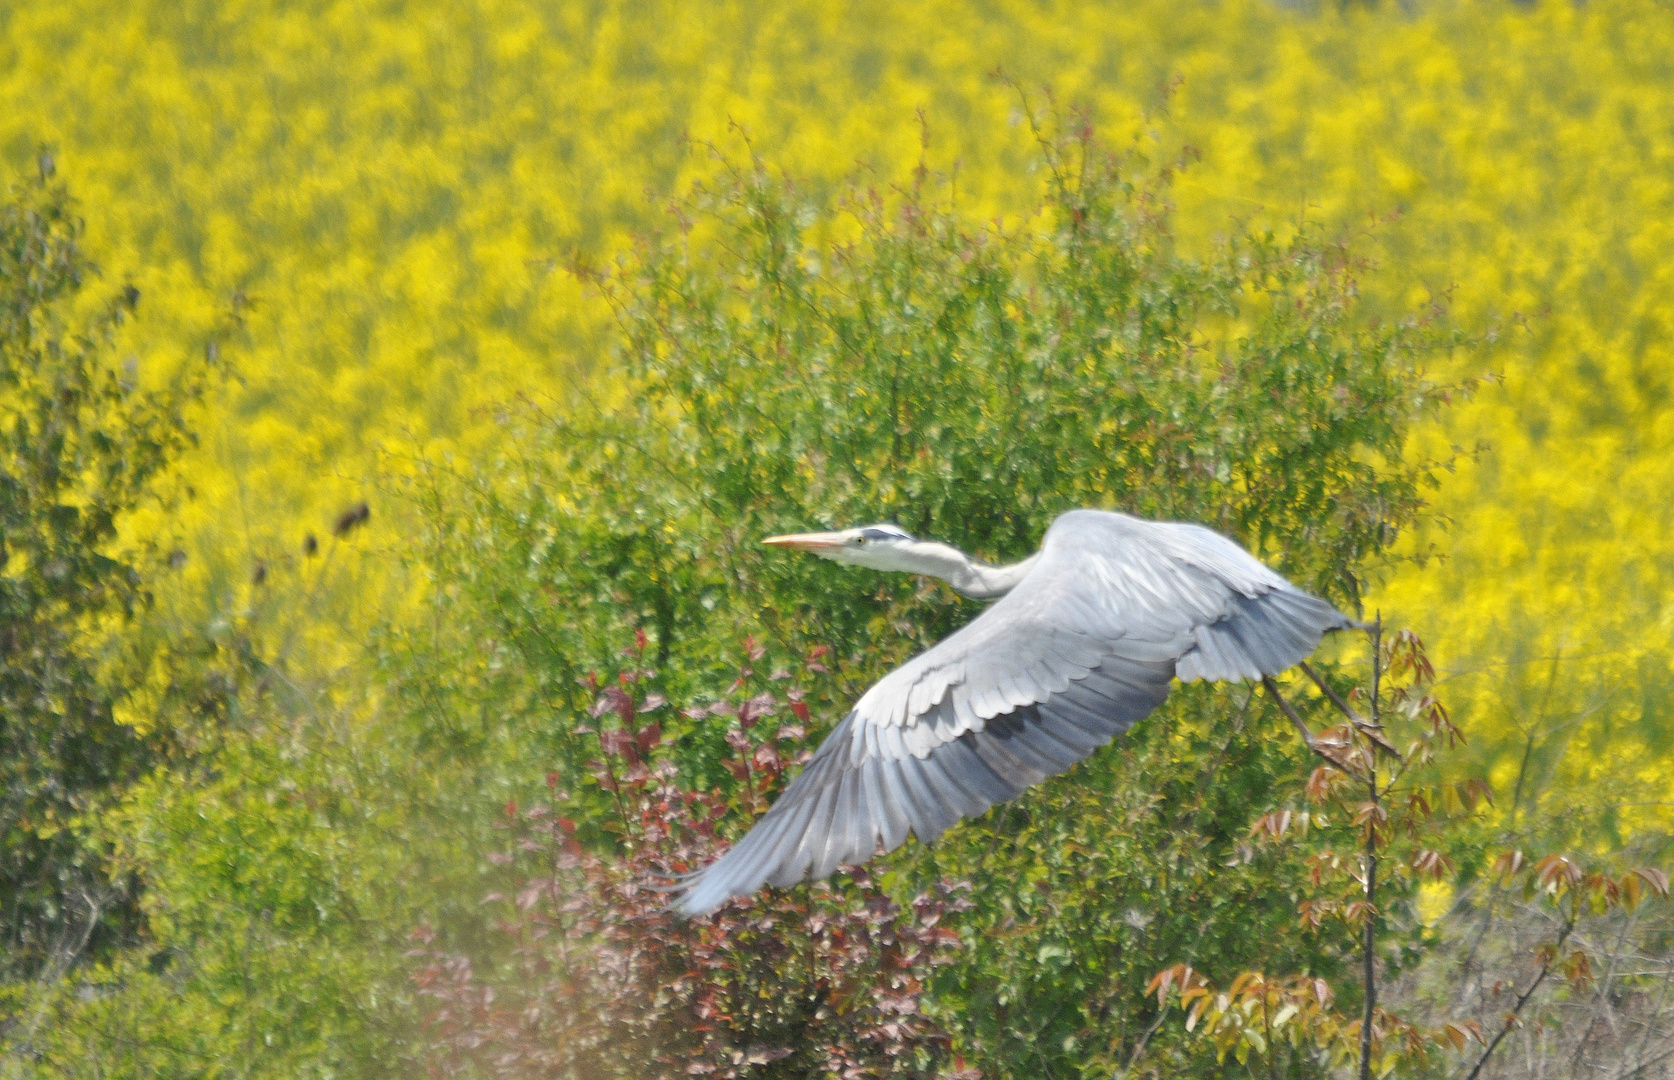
x: 1656, y: 879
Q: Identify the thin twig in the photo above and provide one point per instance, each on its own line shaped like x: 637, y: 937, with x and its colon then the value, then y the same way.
x: 1645, y: 1040
x: 1307, y: 736
x: 1639, y: 1070
x: 1324, y: 750
x: 1369, y: 934
x: 1373, y: 732
x: 64, y: 957
x: 1522, y: 1000
x: 1336, y: 699
x: 1139, y: 1047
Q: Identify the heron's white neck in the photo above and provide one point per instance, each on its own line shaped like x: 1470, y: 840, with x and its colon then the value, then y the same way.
x: 969, y: 577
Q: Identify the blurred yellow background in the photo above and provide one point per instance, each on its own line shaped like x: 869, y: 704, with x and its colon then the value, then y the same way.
x: 393, y: 190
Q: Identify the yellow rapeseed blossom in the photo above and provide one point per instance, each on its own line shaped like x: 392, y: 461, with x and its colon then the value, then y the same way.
x: 392, y: 190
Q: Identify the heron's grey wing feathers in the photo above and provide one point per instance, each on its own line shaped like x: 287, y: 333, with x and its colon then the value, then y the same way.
x: 1078, y: 651
x: 1261, y: 636
x: 832, y: 804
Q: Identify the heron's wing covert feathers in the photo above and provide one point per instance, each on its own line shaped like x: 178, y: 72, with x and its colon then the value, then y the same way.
x: 1084, y: 646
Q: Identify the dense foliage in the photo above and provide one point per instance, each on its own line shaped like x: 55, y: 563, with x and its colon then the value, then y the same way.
x: 609, y: 982
x: 81, y: 444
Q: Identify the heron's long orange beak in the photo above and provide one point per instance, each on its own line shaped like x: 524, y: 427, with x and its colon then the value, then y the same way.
x: 815, y: 542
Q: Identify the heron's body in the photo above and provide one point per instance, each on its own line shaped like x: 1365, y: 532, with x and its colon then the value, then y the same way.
x: 1083, y: 640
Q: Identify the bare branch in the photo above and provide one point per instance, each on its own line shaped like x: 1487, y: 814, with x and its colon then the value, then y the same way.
x: 1368, y: 944
x: 1336, y: 699
x: 1522, y: 1000
x: 1323, y: 749
x: 1373, y: 732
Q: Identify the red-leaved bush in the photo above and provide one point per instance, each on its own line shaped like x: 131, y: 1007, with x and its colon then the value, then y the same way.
x: 603, y: 981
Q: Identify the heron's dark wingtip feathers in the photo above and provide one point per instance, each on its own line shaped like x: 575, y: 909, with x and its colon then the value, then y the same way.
x: 836, y: 812
x: 1263, y: 635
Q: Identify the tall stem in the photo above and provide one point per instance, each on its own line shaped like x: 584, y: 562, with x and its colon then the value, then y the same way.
x: 1368, y: 943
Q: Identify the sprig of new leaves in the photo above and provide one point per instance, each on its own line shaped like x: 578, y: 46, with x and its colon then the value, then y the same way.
x: 1376, y: 808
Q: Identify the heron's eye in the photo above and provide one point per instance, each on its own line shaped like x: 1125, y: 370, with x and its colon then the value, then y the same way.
x: 861, y: 540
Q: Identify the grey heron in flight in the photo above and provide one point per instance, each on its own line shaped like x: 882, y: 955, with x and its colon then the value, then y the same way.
x: 1083, y: 640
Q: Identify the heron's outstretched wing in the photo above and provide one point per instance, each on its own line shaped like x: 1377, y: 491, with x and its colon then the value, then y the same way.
x: 1083, y: 646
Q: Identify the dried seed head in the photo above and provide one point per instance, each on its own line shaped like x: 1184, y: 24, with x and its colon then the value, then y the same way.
x: 350, y: 519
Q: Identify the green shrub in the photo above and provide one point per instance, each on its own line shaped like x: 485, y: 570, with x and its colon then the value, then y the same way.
x: 795, y: 359
x: 82, y: 442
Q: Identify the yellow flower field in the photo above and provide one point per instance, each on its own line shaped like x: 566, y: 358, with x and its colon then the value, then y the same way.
x: 392, y: 191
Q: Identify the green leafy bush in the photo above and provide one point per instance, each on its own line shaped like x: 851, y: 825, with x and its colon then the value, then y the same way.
x: 798, y: 358
x: 82, y: 442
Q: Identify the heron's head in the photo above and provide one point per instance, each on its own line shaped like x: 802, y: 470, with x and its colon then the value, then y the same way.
x: 879, y: 547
